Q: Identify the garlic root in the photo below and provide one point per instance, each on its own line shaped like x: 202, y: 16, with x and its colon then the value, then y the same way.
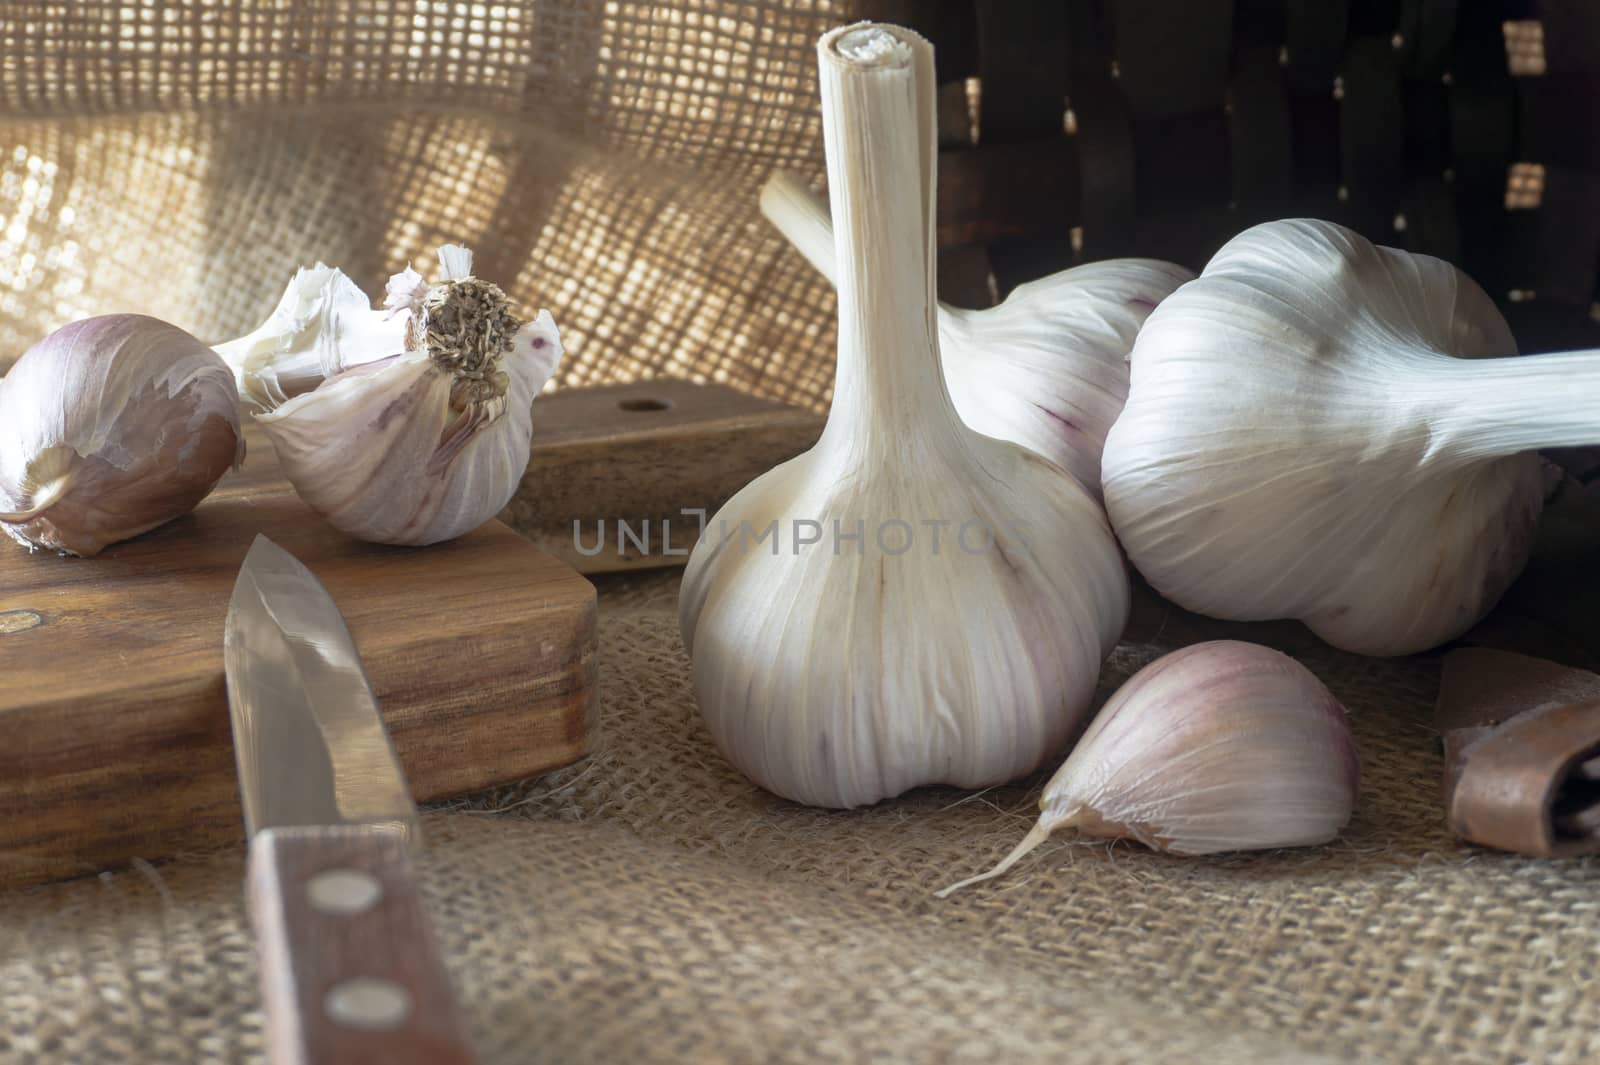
x: 1036, y: 836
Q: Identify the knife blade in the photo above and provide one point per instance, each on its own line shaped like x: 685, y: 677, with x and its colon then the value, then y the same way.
x: 350, y: 971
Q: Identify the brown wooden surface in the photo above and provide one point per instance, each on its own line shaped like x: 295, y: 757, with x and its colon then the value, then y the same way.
x: 642, y: 453
x: 114, y: 735
x: 305, y: 952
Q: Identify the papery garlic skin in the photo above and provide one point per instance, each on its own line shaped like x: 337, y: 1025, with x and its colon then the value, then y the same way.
x: 323, y: 324
x: 1301, y: 441
x: 1221, y: 746
x: 384, y: 453
x: 110, y: 427
x: 836, y: 671
x: 1048, y: 367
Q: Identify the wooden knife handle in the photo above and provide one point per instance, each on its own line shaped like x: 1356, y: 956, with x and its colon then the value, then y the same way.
x: 350, y: 972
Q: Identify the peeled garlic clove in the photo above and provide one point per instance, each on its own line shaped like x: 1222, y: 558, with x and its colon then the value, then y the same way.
x: 1222, y: 746
x: 909, y: 602
x: 110, y: 427
x: 1048, y: 367
x: 323, y: 324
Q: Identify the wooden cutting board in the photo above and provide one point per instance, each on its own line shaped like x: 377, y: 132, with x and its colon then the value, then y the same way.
x: 114, y: 736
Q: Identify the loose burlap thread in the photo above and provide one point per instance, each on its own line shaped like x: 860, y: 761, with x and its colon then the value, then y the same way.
x: 182, y: 157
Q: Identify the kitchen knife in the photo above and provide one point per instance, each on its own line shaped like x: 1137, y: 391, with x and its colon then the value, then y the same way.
x: 350, y: 972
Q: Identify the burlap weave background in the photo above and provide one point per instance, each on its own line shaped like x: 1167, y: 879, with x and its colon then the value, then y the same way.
x: 649, y: 905
x: 181, y: 157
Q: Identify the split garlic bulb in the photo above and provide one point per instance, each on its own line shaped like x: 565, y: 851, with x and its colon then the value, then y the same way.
x: 323, y: 324
x: 1301, y: 440
x: 1222, y: 746
x: 418, y: 434
x: 1048, y: 367
x: 909, y: 602
x: 110, y: 427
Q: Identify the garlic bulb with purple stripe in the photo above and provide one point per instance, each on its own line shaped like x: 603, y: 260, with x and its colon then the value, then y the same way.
x: 110, y: 427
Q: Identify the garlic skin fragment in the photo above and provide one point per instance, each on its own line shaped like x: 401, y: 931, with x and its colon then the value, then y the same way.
x: 836, y: 671
x: 1220, y: 746
x: 1048, y: 367
x: 1311, y: 433
x: 323, y: 324
x: 429, y: 444
x: 110, y: 427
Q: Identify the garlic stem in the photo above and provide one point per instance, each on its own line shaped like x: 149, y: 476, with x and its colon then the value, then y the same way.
x: 1497, y: 407
x: 879, y: 131
x: 802, y: 217
x: 1036, y: 835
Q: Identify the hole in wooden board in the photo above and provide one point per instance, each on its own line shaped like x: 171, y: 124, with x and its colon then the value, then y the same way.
x: 645, y: 403
x: 18, y: 621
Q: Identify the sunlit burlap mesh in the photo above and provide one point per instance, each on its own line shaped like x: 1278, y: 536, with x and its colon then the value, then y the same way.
x: 182, y: 157
x: 649, y: 905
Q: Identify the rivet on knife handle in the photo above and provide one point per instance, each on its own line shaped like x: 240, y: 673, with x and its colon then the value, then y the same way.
x: 350, y: 972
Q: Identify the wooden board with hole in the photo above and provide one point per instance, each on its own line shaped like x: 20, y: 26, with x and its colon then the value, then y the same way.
x: 115, y: 743
x: 614, y: 468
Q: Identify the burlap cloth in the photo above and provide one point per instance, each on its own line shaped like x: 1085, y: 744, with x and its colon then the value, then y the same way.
x: 180, y: 158
x: 651, y: 905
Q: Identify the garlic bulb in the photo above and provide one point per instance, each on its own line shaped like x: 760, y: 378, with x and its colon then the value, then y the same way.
x: 421, y: 444
x: 1301, y: 441
x: 909, y: 602
x: 321, y: 325
x: 1222, y: 746
x: 1048, y: 367
x: 110, y: 427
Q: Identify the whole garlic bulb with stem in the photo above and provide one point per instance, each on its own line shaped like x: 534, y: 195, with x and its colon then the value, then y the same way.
x: 1221, y: 746
x: 110, y: 427
x: 1311, y: 433
x: 1048, y: 367
x: 909, y: 602
x: 416, y: 435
